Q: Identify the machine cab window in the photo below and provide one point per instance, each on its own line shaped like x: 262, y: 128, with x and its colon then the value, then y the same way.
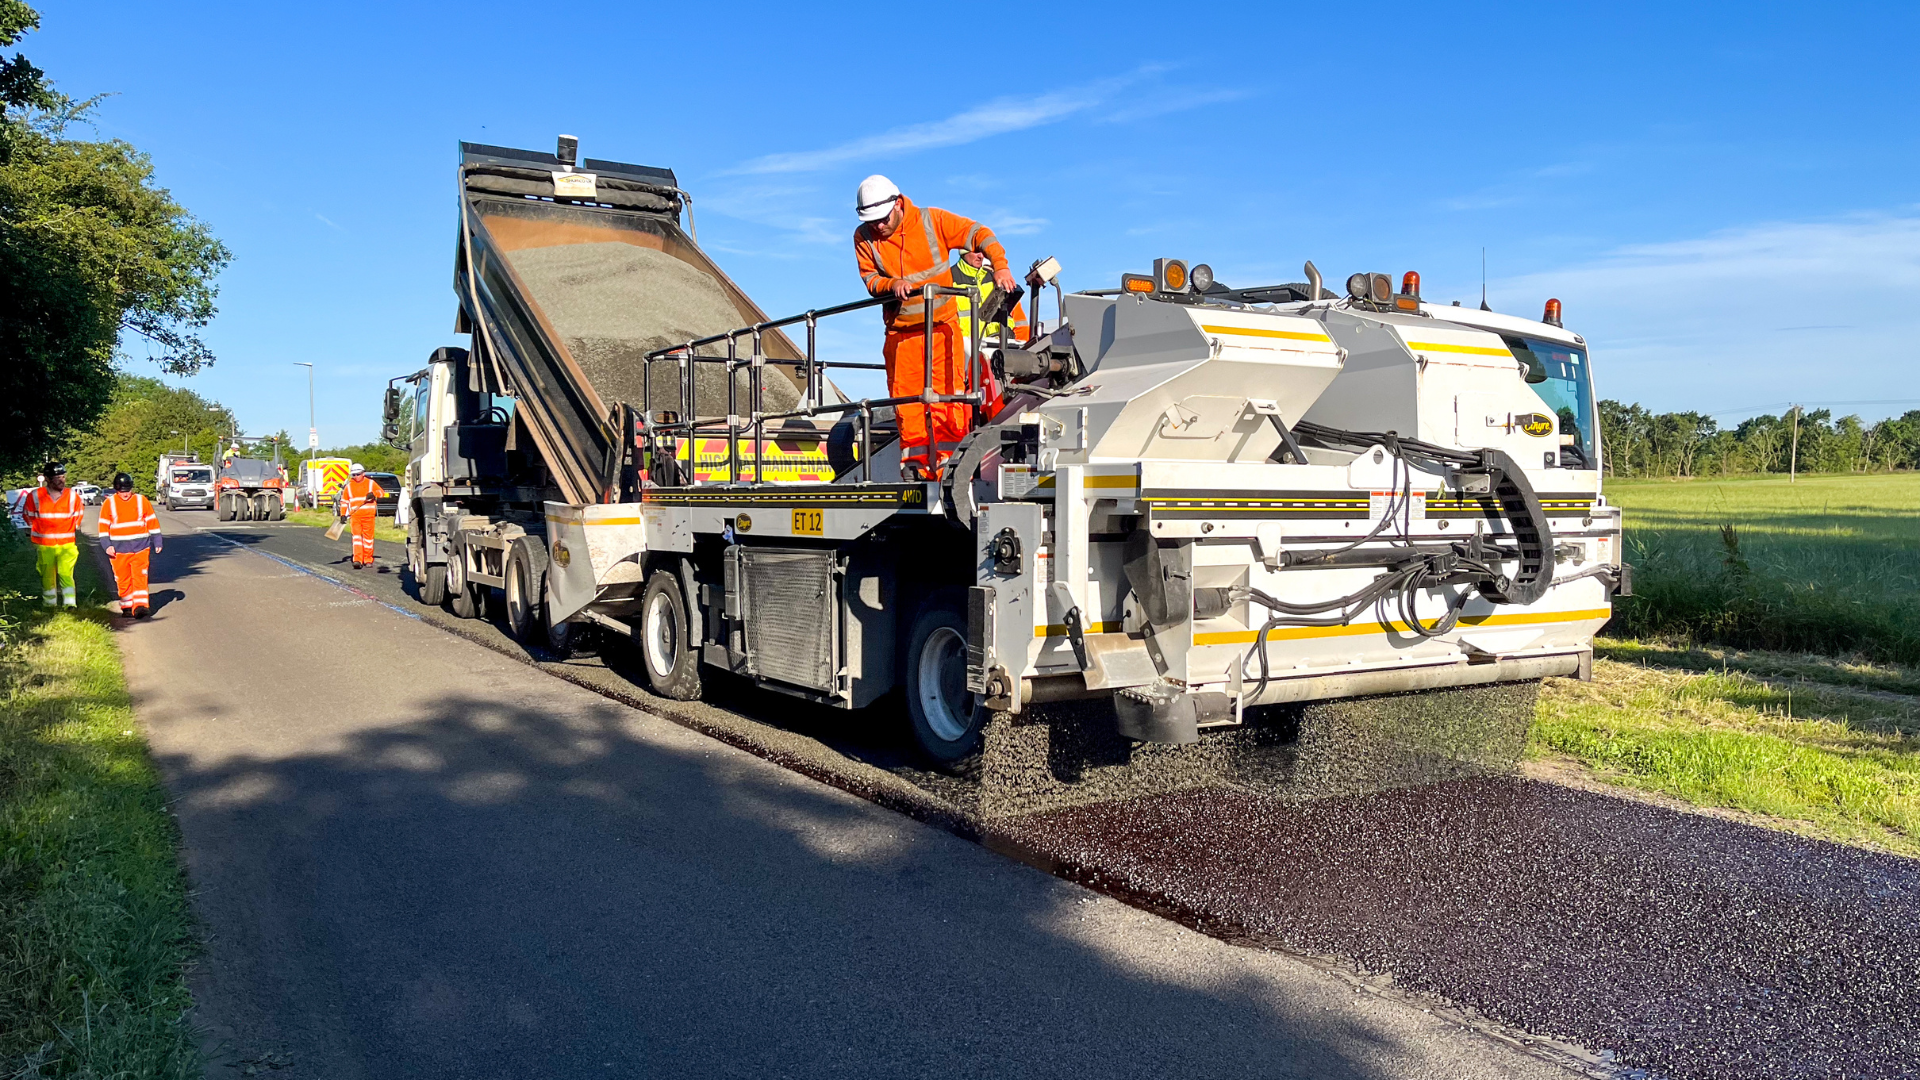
x: 1559, y: 374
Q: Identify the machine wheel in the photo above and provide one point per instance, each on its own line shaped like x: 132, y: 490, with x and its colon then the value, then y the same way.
x: 223, y: 508
x: 463, y: 597
x: 666, y: 639
x: 947, y: 719
x: 526, y: 589
x: 276, y: 508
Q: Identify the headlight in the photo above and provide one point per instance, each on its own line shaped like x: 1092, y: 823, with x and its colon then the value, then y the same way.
x: 1202, y: 277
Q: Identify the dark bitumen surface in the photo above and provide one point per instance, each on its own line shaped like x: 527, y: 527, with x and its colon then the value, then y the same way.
x: 1691, y: 946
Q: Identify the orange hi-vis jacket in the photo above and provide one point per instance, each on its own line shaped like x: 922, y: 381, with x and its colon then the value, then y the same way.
x: 128, y: 522
x: 360, y: 495
x: 52, y: 519
x: 917, y: 253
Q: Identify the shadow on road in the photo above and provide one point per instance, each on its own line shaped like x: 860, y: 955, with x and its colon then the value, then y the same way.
x: 488, y: 890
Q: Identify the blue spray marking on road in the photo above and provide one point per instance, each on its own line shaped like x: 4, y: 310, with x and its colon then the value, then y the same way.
x: 311, y: 572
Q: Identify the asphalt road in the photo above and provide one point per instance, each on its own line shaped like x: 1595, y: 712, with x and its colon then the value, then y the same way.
x: 415, y: 856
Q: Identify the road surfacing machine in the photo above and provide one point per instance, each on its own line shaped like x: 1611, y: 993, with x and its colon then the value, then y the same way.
x: 1195, y: 504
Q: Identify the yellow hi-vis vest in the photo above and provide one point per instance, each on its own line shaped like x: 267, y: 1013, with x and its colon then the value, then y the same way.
x: 981, y: 278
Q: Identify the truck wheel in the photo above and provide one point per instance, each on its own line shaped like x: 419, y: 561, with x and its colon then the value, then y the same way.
x: 170, y: 507
x: 665, y: 633
x: 433, y: 585
x: 947, y: 719
x: 463, y: 597
x: 526, y: 577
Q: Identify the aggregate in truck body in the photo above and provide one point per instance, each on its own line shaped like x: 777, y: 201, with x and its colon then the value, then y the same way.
x: 1197, y: 500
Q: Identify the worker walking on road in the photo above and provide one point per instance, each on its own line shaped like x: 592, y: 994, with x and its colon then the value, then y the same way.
x: 359, y: 502
x: 130, y: 535
x: 900, y: 248
x: 53, y: 513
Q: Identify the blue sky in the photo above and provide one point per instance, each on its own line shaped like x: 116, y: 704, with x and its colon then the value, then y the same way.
x: 1724, y: 196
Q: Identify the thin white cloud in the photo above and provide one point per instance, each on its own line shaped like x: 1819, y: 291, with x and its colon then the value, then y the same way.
x: 997, y: 117
x: 1698, y: 324
x: 1016, y: 225
x: 1165, y: 104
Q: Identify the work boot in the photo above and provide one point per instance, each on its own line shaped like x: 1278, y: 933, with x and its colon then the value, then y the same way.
x: 72, y: 600
x: 141, y: 612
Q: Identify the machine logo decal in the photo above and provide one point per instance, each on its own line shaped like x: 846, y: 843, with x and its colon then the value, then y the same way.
x: 743, y: 523
x: 1538, y: 425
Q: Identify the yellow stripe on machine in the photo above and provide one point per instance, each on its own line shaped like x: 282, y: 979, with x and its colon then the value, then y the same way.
x: 1060, y: 629
x: 1471, y: 350
x: 1125, y: 481
x: 1295, y: 633
x: 1252, y: 331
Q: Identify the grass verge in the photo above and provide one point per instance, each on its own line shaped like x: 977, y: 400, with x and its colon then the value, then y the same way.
x: 1841, y: 762
x: 95, y: 930
x: 1830, y: 564
x: 383, y: 528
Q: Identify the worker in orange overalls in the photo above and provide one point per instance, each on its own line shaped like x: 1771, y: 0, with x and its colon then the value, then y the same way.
x: 53, y: 511
x: 358, y: 502
x: 901, y: 247
x: 130, y: 535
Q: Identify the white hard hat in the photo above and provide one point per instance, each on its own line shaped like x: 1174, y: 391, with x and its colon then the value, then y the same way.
x: 874, y: 199
x: 357, y: 469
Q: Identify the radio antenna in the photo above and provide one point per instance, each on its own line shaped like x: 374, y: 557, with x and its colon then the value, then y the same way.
x: 1483, y: 280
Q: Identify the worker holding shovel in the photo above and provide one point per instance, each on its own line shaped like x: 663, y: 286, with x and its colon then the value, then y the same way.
x: 359, y: 502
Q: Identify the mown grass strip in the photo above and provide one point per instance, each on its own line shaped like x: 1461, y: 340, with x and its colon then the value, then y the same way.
x: 383, y: 528
x: 1808, y: 667
x: 95, y: 931
x: 1831, y: 761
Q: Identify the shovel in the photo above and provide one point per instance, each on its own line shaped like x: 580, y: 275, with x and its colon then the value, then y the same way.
x: 333, y: 530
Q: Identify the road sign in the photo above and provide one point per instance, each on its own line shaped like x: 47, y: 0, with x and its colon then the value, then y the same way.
x: 313, y: 438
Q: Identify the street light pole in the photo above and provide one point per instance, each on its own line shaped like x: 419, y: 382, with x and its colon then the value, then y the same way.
x: 313, y: 429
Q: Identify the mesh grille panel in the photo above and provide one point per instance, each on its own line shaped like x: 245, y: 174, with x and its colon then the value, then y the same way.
x: 789, y: 602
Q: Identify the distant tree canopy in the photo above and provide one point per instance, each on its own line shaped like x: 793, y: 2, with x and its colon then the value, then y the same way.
x: 91, y: 251
x: 1636, y: 442
x: 145, y: 418
x: 377, y: 457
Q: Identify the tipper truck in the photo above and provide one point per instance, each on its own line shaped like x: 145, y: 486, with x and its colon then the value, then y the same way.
x: 1191, y: 499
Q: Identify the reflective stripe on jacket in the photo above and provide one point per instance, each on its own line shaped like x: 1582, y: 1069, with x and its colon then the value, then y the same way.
x: 360, y: 494
x: 982, y: 278
x: 917, y: 254
x: 53, y: 519
x: 128, y: 522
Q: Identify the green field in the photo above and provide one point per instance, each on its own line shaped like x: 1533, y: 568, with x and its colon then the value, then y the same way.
x: 1769, y: 661
x: 1830, y: 564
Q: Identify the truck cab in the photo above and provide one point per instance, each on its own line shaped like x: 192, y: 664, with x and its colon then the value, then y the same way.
x: 189, y: 485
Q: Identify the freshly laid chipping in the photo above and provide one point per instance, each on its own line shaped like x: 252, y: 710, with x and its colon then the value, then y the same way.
x: 613, y: 303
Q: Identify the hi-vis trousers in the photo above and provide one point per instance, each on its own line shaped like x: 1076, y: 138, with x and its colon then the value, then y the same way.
x: 55, y: 562
x: 929, y: 434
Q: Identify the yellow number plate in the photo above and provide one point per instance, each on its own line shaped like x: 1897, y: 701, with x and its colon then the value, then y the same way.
x: 809, y: 522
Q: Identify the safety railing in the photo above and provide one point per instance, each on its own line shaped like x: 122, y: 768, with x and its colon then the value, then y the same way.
x: 656, y: 431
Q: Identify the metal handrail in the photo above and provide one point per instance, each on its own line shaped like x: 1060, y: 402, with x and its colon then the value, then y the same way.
x: 686, y: 357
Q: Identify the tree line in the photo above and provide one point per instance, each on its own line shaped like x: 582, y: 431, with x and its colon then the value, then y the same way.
x: 98, y: 265
x: 1635, y: 441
